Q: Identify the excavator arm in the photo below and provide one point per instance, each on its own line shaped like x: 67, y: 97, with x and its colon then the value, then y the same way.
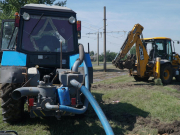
x: 141, y: 53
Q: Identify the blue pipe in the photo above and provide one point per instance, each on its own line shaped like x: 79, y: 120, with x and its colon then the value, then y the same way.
x: 95, y: 105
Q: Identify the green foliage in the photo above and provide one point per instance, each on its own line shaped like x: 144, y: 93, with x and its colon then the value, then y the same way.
x: 109, y: 56
x: 91, y: 53
x: 61, y: 3
x: 15, y: 5
x: 9, y: 7
x: 158, y: 81
x: 133, y: 50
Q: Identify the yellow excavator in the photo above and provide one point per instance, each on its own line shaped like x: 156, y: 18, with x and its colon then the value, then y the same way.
x: 154, y: 57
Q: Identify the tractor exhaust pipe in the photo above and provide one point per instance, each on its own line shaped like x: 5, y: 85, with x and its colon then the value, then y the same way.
x: 24, y: 91
x: 79, y: 61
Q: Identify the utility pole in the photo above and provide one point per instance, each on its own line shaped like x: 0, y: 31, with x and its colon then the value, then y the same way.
x: 98, y: 48
x: 97, y: 45
x: 104, y: 38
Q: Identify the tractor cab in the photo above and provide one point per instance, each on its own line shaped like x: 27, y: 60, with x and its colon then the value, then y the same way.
x: 40, y: 35
x: 39, y: 31
x: 40, y: 48
x: 159, y: 47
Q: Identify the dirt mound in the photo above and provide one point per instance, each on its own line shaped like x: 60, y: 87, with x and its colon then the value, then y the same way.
x: 172, y: 128
x: 148, y: 122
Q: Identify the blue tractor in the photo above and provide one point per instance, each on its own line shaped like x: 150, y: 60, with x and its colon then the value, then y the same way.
x: 39, y: 49
x: 43, y: 65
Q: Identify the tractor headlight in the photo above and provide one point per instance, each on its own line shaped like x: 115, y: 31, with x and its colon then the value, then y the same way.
x: 26, y: 16
x: 72, y: 20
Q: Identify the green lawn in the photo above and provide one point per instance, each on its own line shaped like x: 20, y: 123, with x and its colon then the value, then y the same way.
x: 140, y: 105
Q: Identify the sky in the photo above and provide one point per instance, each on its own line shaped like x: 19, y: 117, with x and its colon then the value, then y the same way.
x: 160, y: 18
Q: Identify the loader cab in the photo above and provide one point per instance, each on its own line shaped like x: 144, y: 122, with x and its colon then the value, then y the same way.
x: 159, y: 47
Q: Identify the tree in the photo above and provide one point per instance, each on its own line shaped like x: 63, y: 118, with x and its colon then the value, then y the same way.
x: 15, y: 5
x: 91, y: 53
x: 133, y: 50
x: 109, y: 56
x: 9, y: 7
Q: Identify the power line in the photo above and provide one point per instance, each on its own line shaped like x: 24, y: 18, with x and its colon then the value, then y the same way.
x: 115, y: 37
x: 88, y: 28
x: 89, y: 37
x: 92, y: 25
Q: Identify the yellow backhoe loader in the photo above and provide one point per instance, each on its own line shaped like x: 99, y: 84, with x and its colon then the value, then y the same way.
x: 161, y: 61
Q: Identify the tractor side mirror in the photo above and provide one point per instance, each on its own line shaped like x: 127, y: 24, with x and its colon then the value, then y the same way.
x: 177, y: 42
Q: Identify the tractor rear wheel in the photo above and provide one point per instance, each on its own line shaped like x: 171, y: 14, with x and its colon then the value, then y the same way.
x: 12, y: 110
x: 166, y: 74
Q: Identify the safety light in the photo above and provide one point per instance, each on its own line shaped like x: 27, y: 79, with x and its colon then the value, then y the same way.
x: 26, y: 16
x: 16, y: 24
x: 79, y: 29
x: 73, y: 101
x: 31, y: 101
x: 78, y: 25
x: 72, y: 20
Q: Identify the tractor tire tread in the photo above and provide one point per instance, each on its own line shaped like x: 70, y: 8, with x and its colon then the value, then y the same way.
x: 12, y: 109
x: 163, y: 68
x: 5, y: 104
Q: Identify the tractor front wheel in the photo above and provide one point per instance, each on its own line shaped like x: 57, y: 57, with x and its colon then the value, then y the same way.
x: 166, y: 73
x: 12, y: 110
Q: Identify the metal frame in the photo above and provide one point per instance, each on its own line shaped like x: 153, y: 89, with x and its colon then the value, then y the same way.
x: 8, y: 20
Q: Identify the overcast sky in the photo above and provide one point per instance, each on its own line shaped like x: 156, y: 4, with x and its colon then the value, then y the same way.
x: 160, y: 18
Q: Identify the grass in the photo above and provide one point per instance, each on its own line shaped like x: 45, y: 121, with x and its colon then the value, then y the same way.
x: 138, y: 100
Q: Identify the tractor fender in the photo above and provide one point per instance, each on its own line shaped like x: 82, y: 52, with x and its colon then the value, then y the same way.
x: 12, y: 74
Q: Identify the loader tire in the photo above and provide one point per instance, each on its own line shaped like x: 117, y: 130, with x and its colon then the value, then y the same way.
x: 12, y: 110
x: 166, y: 73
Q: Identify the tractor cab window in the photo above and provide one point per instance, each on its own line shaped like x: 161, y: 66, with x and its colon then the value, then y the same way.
x: 7, y: 30
x: 169, y: 50
x: 45, y: 34
x: 149, y: 48
x: 160, y: 48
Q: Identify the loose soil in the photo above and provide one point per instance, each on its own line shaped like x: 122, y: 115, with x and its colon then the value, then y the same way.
x: 99, y: 75
x: 163, y: 128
